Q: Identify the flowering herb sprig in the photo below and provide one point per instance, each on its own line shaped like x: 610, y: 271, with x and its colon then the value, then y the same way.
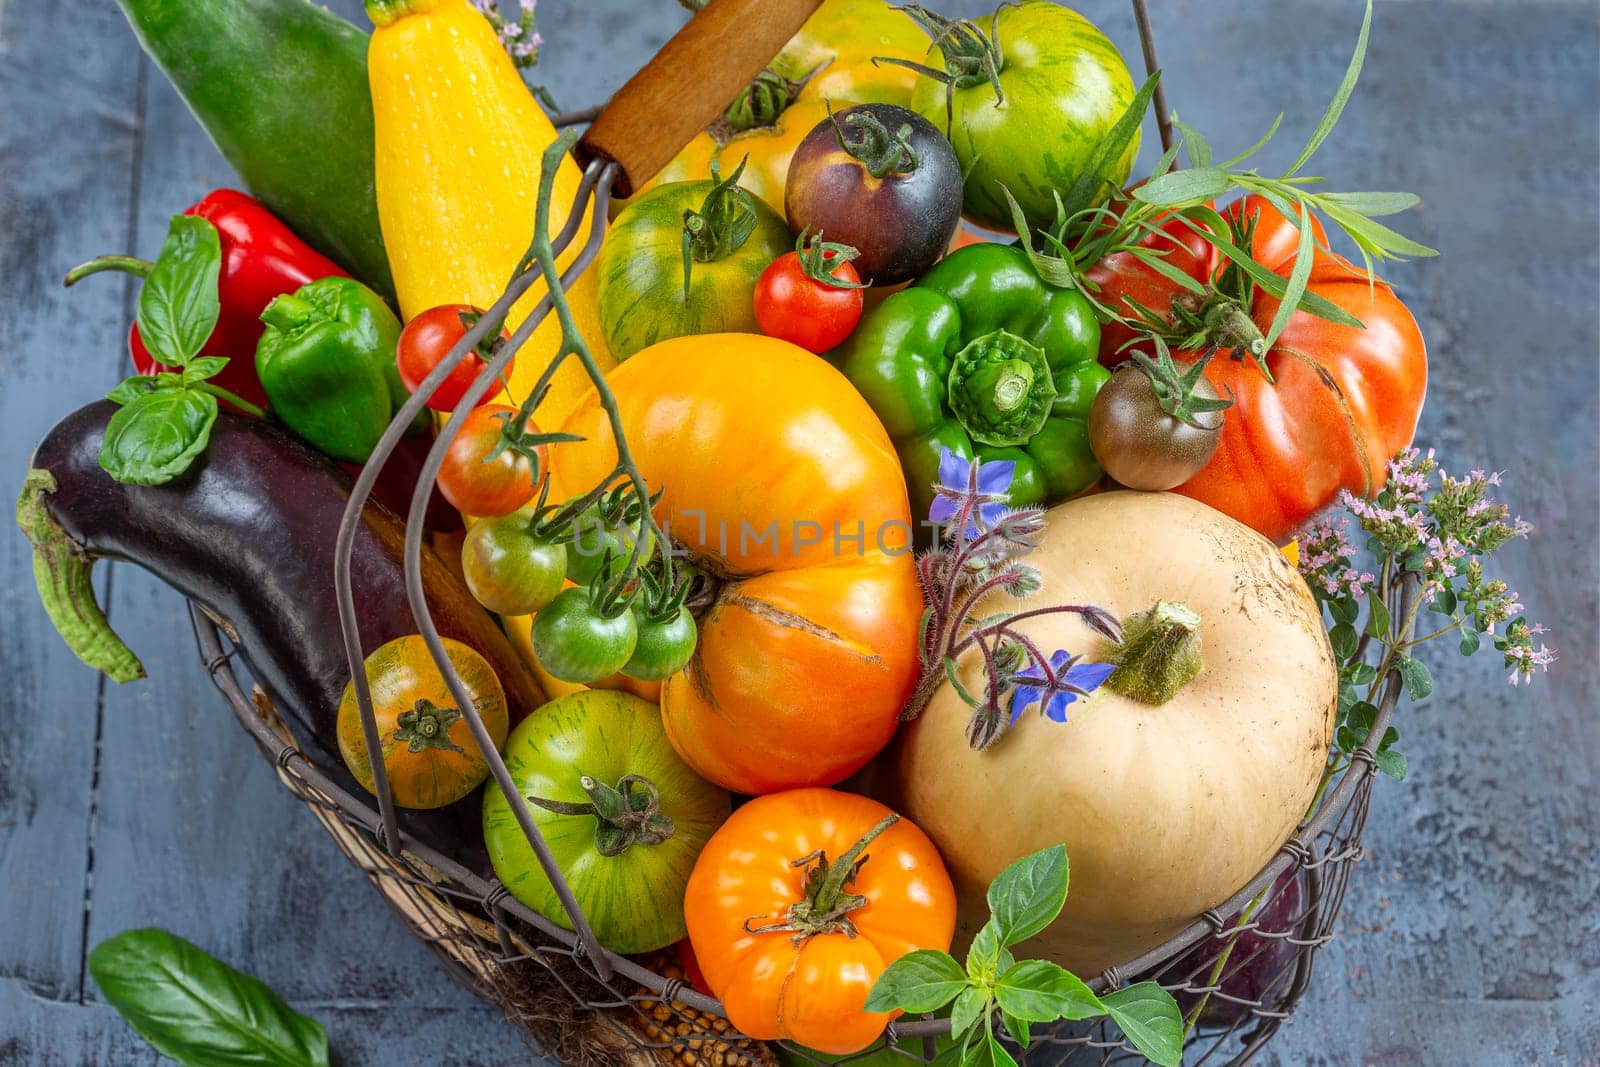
x: 1435, y: 532
x: 517, y: 36
x: 980, y: 551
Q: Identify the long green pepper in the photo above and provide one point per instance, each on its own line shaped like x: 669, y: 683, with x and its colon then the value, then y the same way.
x: 985, y: 359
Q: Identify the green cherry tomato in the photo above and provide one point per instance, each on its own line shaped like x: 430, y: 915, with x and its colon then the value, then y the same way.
x: 592, y: 536
x: 664, y: 646
x: 510, y: 570
x: 577, y: 642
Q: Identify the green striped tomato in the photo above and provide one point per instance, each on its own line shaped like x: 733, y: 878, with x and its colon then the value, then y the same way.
x: 641, y: 291
x: 634, y: 898
x: 1064, y: 85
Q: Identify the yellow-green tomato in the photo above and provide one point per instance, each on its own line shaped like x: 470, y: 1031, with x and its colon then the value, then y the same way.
x: 509, y: 569
x: 1059, y: 86
x: 624, y: 816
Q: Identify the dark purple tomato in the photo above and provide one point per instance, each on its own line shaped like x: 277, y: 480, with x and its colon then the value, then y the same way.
x: 882, y: 179
x: 1259, y: 970
x: 1139, y: 444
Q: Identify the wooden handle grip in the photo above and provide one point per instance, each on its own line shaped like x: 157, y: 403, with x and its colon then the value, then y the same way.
x: 694, y: 77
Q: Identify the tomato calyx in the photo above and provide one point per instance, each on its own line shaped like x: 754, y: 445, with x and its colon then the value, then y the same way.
x: 1179, y: 392
x: 760, y: 103
x: 725, y: 221
x: 826, y: 906
x: 819, y: 260
x: 626, y: 814
x: 971, y: 56
x: 427, y: 726
x: 882, y: 151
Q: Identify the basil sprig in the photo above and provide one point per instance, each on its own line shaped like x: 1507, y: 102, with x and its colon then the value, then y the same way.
x: 1023, y: 899
x: 197, y: 1009
x: 166, y: 418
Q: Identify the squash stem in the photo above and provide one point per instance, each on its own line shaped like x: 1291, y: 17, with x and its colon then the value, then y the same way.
x: 1158, y: 655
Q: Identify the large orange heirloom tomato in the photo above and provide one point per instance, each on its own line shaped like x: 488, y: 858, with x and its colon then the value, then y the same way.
x: 798, y: 903
x: 1339, y: 401
x: 831, y: 60
x: 785, y: 492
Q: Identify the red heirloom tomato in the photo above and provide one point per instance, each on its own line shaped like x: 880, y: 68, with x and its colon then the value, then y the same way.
x: 1324, y: 409
x: 426, y: 340
x: 795, y: 303
x: 792, y: 953
x: 478, y: 485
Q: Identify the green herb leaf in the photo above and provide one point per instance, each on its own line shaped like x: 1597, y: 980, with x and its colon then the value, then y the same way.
x: 924, y: 980
x: 1149, y: 1018
x: 198, y: 1010
x: 983, y: 958
x: 1371, y: 204
x: 1444, y: 601
x: 1374, y: 237
x: 178, y: 303
x: 987, y: 1051
x: 1019, y: 1029
x: 1087, y: 188
x: 1377, y: 617
x: 1336, y: 107
x: 156, y: 435
x: 1258, y: 146
x: 1345, y: 609
x: 1194, y: 143
x: 1391, y: 763
x: 1414, y: 673
x: 1040, y: 991
x: 1028, y: 895
x: 970, y: 1005
x: 132, y: 388
x: 1344, y: 639
x: 1052, y: 270
x: 1298, y: 277
x: 202, y: 367
x: 1158, y: 263
x: 1271, y: 281
x: 1184, y: 186
x: 1470, y: 641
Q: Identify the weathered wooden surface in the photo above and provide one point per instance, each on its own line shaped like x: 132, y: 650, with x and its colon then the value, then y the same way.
x: 1472, y: 935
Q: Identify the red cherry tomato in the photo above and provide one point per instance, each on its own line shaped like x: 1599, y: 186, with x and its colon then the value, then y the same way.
x: 426, y: 340
x: 793, y: 306
x: 477, y: 485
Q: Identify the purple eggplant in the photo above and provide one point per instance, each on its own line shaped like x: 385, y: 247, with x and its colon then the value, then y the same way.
x: 1259, y: 968
x: 248, y: 532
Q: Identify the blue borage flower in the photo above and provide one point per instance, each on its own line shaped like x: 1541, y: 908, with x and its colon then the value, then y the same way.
x: 962, y: 480
x: 1072, y: 680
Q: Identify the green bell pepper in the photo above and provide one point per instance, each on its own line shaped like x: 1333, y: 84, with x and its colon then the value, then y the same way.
x: 984, y: 358
x: 327, y: 365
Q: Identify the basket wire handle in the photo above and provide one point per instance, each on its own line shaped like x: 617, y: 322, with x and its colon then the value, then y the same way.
x: 687, y: 84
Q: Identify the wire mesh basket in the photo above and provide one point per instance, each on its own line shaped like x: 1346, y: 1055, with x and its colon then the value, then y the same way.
x: 1237, y: 970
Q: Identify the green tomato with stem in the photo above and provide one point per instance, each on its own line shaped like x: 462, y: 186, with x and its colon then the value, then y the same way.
x: 665, y: 645
x: 509, y: 568
x: 580, y: 638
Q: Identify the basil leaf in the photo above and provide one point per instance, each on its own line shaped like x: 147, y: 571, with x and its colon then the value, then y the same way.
x: 1028, y: 895
x: 155, y: 436
x: 988, y: 1052
x: 924, y: 980
x: 968, y: 1008
x: 202, y: 367
x: 132, y: 388
x: 1019, y: 1030
x: 199, y: 1010
x: 1149, y: 1019
x: 1041, y: 992
x: 983, y: 957
x: 178, y: 304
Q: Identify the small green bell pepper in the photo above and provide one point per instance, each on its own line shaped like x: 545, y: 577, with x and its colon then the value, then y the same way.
x: 984, y: 358
x: 327, y: 365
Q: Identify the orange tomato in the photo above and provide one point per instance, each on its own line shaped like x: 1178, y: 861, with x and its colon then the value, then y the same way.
x: 428, y: 751
x: 803, y: 973
x: 764, y: 453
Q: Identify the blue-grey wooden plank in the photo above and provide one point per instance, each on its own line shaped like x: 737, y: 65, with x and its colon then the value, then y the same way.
x: 67, y: 143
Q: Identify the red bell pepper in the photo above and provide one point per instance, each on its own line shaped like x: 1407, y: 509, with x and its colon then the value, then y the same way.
x: 261, y: 259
